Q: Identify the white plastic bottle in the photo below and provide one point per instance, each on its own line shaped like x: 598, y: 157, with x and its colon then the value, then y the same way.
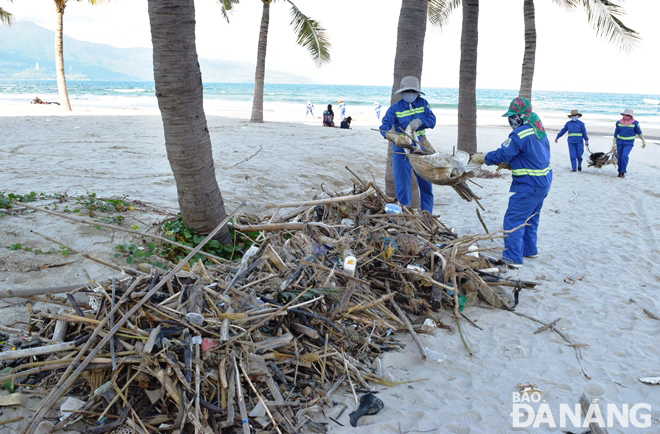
x: 350, y: 262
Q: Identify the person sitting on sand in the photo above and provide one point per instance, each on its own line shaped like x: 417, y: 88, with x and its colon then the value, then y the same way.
x: 329, y: 117
x: 625, y: 132
x: 527, y: 151
x: 346, y: 123
x: 577, y: 138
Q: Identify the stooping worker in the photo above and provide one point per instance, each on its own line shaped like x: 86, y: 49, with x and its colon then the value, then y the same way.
x: 625, y: 132
x: 527, y: 152
x: 411, y: 111
x: 577, y: 138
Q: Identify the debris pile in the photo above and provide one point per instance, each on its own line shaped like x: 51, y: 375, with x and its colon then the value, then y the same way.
x: 262, y: 342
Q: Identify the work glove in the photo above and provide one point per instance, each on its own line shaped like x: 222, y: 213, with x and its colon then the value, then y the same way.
x: 586, y: 142
x: 415, y: 124
x: 478, y: 158
x: 613, y: 151
x: 398, y: 139
x: 643, y: 141
x: 503, y: 165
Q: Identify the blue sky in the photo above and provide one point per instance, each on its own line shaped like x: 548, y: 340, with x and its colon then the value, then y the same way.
x: 569, y: 57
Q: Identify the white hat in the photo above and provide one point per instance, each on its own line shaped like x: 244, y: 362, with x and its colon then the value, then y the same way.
x: 628, y: 112
x: 409, y: 83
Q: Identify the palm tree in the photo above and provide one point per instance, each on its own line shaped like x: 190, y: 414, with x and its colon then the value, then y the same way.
x: 603, y: 15
x: 467, y: 80
x: 59, y: 52
x: 180, y: 99
x: 310, y: 36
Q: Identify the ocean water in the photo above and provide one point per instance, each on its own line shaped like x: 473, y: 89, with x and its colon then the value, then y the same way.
x: 142, y: 94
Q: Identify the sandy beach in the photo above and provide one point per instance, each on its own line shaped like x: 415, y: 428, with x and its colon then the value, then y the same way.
x: 593, y: 223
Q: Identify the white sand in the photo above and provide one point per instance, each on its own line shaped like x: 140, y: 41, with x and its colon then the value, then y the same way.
x: 592, y: 223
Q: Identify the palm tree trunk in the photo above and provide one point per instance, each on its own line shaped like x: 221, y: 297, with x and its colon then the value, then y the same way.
x: 527, y: 76
x: 408, y: 60
x: 180, y: 99
x: 59, y: 57
x: 467, y: 90
x: 260, y: 73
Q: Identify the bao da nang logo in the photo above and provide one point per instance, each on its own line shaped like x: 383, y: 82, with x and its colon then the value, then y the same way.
x: 529, y: 411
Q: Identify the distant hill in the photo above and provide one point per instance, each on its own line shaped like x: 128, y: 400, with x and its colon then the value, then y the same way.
x: 24, y: 45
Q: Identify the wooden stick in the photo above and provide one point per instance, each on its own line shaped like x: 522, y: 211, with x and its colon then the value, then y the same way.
x: 62, y: 387
x: 38, y: 351
x: 481, y: 220
x: 585, y: 403
x: 10, y: 293
x: 356, y: 197
x: 547, y: 326
x: 409, y: 326
x: 260, y: 398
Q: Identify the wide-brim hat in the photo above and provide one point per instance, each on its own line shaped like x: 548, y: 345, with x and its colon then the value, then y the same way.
x: 628, y: 112
x: 409, y: 83
x: 575, y: 113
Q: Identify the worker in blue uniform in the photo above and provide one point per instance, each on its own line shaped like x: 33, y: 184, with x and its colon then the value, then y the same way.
x: 527, y: 152
x: 342, y: 109
x: 411, y: 111
x: 577, y: 138
x: 627, y: 128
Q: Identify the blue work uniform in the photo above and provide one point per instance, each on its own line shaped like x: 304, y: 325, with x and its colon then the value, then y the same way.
x: 577, y: 134
x: 625, y: 140
x: 397, y: 118
x: 529, y: 158
x: 378, y: 107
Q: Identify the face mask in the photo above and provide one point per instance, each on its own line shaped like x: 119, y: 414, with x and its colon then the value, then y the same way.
x: 515, y: 121
x: 575, y: 118
x: 409, y: 97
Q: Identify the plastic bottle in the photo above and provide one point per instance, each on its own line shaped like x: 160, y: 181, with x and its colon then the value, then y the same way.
x: 392, y: 208
x: 350, y: 262
x: 434, y: 356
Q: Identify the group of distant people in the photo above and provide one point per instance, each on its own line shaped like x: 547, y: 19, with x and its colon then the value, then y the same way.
x: 329, y: 114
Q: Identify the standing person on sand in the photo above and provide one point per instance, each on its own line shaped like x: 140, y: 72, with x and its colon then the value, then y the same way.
x: 329, y: 117
x: 411, y: 111
x: 310, y: 109
x: 377, y: 108
x: 527, y: 152
x: 342, y: 109
x: 577, y: 138
x: 625, y: 132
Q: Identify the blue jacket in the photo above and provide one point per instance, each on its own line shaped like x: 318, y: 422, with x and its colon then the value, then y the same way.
x: 400, y: 114
x: 529, y: 158
x: 576, y: 132
x: 625, y: 134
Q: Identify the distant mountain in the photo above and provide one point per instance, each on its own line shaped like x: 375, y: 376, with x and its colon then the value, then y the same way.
x: 27, y: 52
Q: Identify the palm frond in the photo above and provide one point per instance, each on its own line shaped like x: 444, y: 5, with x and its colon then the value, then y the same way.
x: 226, y: 7
x: 440, y: 10
x: 568, y: 4
x: 310, y: 35
x: 5, y: 17
x: 604, y: 15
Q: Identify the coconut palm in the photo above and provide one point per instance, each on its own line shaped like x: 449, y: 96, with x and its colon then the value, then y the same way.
x: 310, y: 36
x: 60, y: 5
x: 180, y: 99
x: 604, y: 17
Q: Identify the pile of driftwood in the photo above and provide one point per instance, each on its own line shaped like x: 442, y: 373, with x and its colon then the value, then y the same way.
x: 262, y: 342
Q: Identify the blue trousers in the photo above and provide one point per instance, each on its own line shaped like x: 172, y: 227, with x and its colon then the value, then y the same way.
x: 402, y: 180
x: 622, y: 152
x: 523, y: 241
x: 343, y: 113
x: 575, y: 150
